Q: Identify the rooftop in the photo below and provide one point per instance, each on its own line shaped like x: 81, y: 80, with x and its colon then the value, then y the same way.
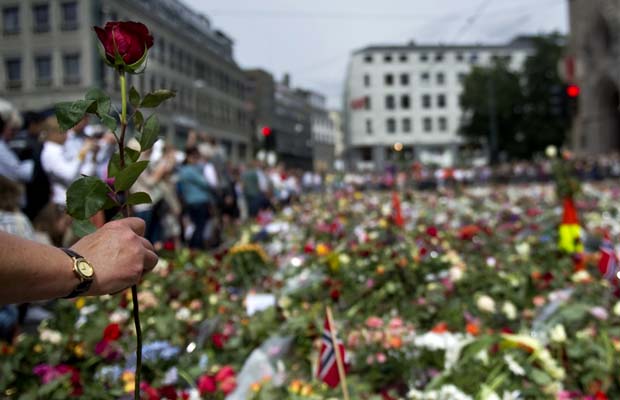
x: 520, y: 42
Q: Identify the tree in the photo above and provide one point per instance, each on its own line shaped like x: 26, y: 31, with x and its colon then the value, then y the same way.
x: 491, y: 101
x: 546, y: 115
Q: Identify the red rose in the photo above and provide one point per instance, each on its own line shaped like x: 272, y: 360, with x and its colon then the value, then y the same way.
x: 432, y: 231
x: 228, y: 385
x: 206, y: 384
x: 129, y: 39
x: 224, y: 373
x: 168, y: 392
x: 112, y: 332
x: 218, y: 340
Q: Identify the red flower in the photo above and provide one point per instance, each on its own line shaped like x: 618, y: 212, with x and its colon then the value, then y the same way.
x: 168, y: 392
x: 431, y: 231
x: 334, y: 294
x: 128, y: 38
x: 228, y: 385
x: 224, y: 372
x: 112, y: 332
x: 151, y: 392
x: 218, y: 340
x: 206, y: 384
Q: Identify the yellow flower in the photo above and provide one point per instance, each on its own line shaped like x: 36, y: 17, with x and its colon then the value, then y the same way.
x: 78, y: 350
x: 255, y: 387
x: 128, y: 380
x: 79, y: 303
x: 322, y: 249
x: 295, y: 386
x: 38, y: 348
x: 383, y: 223
x: 306, y: 390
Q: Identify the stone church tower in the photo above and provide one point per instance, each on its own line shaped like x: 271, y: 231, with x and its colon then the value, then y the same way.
x: 594, y: 46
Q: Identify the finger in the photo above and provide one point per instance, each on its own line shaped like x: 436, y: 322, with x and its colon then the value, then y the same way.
x: 135, y: 224
x: 150, y: 260
x: 147, y: 245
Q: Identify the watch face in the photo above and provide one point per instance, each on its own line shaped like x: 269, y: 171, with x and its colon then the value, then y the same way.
x: 85, y: 269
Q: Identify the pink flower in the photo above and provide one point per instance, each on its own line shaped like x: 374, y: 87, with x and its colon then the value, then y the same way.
x: 206, y: 384
x: 396, y: 323
x: 370, y: 283
x: 381, y: 358
x: 599, y: 313
x: 370, y: 360
x: 374, y: 322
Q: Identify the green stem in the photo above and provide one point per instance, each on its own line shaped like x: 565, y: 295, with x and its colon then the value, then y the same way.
x: 126, y: 213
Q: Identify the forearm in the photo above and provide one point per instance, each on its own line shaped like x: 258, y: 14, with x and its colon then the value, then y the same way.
x: 32, y: 271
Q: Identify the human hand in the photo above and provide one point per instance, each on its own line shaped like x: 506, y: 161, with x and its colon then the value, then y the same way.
x: 119, y: 255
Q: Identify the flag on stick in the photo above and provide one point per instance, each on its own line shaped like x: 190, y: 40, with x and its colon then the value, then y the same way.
x: 608, y: 262
x: 331, y: 361
x: 397, y: 214
x: 570, y: 231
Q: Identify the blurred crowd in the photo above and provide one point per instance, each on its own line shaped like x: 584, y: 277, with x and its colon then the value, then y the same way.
x: 198, y: 196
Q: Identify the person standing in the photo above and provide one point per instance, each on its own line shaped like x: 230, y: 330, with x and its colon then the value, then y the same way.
x: 196, y: 195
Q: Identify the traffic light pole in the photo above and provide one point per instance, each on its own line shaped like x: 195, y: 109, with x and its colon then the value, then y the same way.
x: 492, y: 120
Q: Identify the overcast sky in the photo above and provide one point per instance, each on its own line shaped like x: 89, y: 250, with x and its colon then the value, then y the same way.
x: 312, y: 39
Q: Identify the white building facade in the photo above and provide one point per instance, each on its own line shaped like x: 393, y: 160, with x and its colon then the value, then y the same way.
x: 407, y: 98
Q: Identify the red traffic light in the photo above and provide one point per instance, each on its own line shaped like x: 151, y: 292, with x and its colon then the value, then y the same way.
x: 572, y: 90
x: 266, y: 131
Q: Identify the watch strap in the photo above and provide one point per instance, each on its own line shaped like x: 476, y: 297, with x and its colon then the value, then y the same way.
x: 84, y: 285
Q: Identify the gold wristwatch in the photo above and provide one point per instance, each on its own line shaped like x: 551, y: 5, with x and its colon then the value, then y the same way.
x: 84, y: 271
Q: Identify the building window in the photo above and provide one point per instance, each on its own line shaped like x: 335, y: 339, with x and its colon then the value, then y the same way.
x: 41, y: 18
x: 368, y: 58
x: 389, y: 102
x: 439, y: 57
x: 13, y: 73
x: 366, y: 153
x: 389, y: 79
x: 406, y: 125
x: 473, y: 58
x: 405, y: 102
x: 459, y: 57
x: 43, y: 70
x: 403, y: 58
x: 162, y: 50
x: 428, y: 124
x: 391, y: 125
x: 425, y: 77
x: 71, y: 68
x: 369, y: 126
x: 507, y: 58
x: 443, y: 124
x: 387, y: 58
x: 367, y: 80
x: 172, y: 56
x: 441, y: 100
x: 404, y: 79
x: 441, y: 78
x: 426, y: 101
x: 423, y: 57
x: 10, y: 20
x: 367, y: 104
x: 69, y: 12
x: 461, y: 77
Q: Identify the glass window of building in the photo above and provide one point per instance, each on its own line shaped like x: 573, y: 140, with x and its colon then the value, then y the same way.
x: 425, y: 77
x: 459, y: 57
x: 426, y: 101
x: 389, y: 79
x: 10, y: 20
x: 405, y: 103
x: 406, y: 125
x: 443, y: 124
x: 43, y: 69
x: 366, y: 80
x: 368, y: 58
x: 391, y: 125
x: 439, y: 57
x: 41, y: 17
x: 461, y: 77
x: 69, y: 15
x: 71, y: 68
x: 387, y: 58
x: 389, y: 102
x: 441, y: 100
x: 423, y: 57
x: 13, y: 68
x: 441, y: 78
x: 369, y: 126
x: 473, y: 58
x: 404, y: 79
x: 367, y: 104
x: 428, y: 124
x: 403, y: 58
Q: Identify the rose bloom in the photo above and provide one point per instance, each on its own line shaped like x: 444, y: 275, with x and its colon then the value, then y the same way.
x: 127, y: 38
x: 374, y: 322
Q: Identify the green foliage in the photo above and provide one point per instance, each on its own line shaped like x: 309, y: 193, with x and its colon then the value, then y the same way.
x: 86, y: 196
x: 71, y: 112
x: 156, y: 97
x: 127, y: 176
x: 134, y: 97
x: 82, y: 227
x: 139, y: 198
x: 150, y: 133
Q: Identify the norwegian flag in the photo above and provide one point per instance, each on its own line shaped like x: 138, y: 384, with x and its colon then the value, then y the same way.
x: 328, y: 366
x: 359, y: 103
x: 608, y: 263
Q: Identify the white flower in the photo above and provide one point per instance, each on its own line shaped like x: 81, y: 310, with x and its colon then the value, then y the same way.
x: 581, y: 276
x: 509, y: 310
x: 119, y: 316
x: 551, y: 151
x: 194, y: 394
x: 514, y: 366
x: 558, y: 334
x: 48, y: 335
x: 523, y: 249
x: 617, y: 309
x: 456, y: 274
x: 486, y: 304
x: 183, y: 314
